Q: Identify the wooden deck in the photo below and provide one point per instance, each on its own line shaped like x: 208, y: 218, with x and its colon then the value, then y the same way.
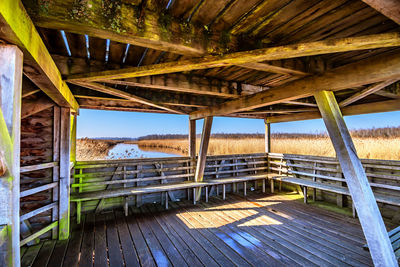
x: 262, y: 230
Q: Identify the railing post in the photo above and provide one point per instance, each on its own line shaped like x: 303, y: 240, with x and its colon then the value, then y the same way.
x: 11, y: 59
x: 363, y: 198
x: 64, y: 193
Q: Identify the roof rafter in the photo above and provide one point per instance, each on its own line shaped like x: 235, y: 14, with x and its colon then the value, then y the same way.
x: 17, y: 28
x: 367, y: 71
x: 272, y: 53
x: 183, y: 83
x: 366, y: 92
x: 122, y: 94
x: 375, y: 107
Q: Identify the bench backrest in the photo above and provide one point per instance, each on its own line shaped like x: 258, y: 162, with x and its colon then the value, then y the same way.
x: 383, y: 175
x: 91, y: 176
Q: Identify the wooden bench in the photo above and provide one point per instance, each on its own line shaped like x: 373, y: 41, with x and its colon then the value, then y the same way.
x: 313, y: 173
x: 141, y: 190
x: 100, y: 180
x: 394, y: 236
x: 234, y: 180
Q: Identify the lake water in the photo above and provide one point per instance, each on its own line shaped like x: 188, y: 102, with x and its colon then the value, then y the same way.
x: 132, y: 151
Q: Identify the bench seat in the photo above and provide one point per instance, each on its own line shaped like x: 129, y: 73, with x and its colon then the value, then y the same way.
x: 392, y: 200
x: 121, y: 192
x: 237, y: 179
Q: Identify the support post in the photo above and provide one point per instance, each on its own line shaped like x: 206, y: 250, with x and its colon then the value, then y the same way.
x: 357, y: 182
x: 201, y: 161
x: 65, y: 149
x: 192, y: 148
x: 56, y: 169
x: 192, y: 139
x: 11, y: 59
x: 73, y: 137
x: 267, y: 137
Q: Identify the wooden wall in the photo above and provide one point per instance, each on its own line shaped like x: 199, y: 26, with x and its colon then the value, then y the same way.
x: 37, y: 148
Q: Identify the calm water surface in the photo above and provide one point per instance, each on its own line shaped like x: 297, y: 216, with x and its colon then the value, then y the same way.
x: 132, y: 151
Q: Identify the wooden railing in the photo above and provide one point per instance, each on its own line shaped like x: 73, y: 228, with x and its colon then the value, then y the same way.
x: 383, y: 176
x: 28, y: 236
x: 102, y: 175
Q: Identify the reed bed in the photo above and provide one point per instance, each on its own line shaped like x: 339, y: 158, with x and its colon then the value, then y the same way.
x: 93, y: 149
x: 367, y: 147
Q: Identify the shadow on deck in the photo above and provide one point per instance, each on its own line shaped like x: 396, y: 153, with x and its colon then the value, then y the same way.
x: 262, y: 230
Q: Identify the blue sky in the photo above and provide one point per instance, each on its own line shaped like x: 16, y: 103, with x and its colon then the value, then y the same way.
x: 101, y: 123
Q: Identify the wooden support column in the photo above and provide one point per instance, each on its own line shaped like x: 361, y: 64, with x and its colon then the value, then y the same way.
x: 267, y: 150
x: 192, y: 148
x: 267, y: 137
x: 64, y: 194
x: 201, y: 161
x: 192, y: 139
x: 56, y: 169
x: 357, y: 182
x: 11, y: 59
x: 73, y: 137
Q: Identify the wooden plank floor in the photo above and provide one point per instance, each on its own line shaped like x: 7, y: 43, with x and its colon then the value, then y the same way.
x: 262, y: 230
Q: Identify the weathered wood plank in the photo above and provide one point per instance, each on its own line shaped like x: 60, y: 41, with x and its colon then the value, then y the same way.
x: 31, y: 107
x: 10, y: 111
x: 126, y: 23
x: 362, y: 195
x: 64, y: 182
x: 17, y: 28
x: 273, y: 53
x: 367, y: 71
x: 389, y: 8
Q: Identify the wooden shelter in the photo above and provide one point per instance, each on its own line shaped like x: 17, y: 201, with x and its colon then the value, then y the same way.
x: 279, y: 61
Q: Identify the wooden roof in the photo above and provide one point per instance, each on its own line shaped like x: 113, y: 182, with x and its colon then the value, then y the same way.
x: 206, y: 35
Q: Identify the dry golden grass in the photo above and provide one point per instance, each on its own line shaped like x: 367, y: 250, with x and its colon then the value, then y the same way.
x: 93, y: 149
x: 368, y: 147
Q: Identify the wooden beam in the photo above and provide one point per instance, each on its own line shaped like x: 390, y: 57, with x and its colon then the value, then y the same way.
x: 17, y: 28
x: 367, y: 71
x: 271, y: 68
x: 184, y: 84
x: 122, y: 94
x: 64, y: 184
x: 389, y: 8
x: 361, y: 193
x: 126, y: 23
x: 202, y: 158
x: 33, y: 106
x: 375, y: 107
x: 192, y: 139
x: 11, y: 59
x: 366, y: 92
x: 301, y: 103
x: 272, y: 53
